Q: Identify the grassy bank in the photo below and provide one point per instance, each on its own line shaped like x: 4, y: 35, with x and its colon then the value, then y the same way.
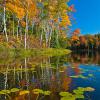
x: 44, y: 52
x: 21, y: 52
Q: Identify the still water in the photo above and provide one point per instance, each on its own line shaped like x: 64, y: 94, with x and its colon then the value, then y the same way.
x: 50, y: 74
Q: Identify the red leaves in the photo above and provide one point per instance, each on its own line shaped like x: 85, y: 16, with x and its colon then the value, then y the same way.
x: 71, y: 8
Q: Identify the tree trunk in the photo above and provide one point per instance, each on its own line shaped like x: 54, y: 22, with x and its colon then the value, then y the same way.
x: 4, y: 20
x: 13, y: 26
x: 26, y: 32
x: 18, y: 29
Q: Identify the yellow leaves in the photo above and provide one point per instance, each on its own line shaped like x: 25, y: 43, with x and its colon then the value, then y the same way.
x: 65, y: 21
x: 51, y: 7
x: 63, y: 35
x: 24, y: 92
x: 32, y: 11
x: 20, y: 8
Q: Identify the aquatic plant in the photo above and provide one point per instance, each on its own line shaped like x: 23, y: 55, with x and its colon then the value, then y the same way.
x: 76, y: 94
x: 79, y: 76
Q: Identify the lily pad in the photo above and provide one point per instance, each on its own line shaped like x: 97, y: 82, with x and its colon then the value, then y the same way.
x: 89, y: 89
x: 64, y: 94
x: 14, y: 90
x: 79, y: 96
x: 2, y: 92
x: 37, y: 91
x: 68, y: 98
x: 90, y: 75
x: 74, y: 76
x: 6, y: 91
x: 47, y: 93
x: 78, y: 92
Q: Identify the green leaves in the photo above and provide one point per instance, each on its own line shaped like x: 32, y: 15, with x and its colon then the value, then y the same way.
x: 76, y: 94
x: 46, y: 92
x: 79, y: 76
x: 5, y: 91
x: 65, y: 94
x: 9, y: 91
x: 14, y: 90
x: 68, y: 98
x: 40, y: 91
x: 37, y: 91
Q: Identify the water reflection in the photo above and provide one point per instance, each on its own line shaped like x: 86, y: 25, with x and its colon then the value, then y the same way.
x: 46, y: 73
x: 86, y: 57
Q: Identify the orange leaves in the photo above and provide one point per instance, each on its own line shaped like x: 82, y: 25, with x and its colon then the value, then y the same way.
x: 20, y: 8
x: 82, y: 39
x: 75, y: 38
x: 76, y: 32
x: 32, y: 11
x: 23, y: 23
x: 20, y: 13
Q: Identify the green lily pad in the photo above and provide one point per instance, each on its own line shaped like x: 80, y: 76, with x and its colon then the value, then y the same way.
x: 83, y: 77
x: 65, y: 94
x: 37, y: 91
x: 90, y: 75
x: 6, y: 91
x: 2, y: 92
x: 47, y: 93
x: 74, y: 76
x: 78, y: 92
x: 14, y: 90
x: 89, y: 89
x: 81, y: 89
x: 79, y: 96
x: 68, y: 98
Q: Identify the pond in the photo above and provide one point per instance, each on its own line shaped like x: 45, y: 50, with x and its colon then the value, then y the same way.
x: 70, y: 77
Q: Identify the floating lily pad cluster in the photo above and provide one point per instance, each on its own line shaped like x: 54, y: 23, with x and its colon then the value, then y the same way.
x: 77, y: 93
x: 82, y: 76
x: 9, y: 91
x: 40, y: 91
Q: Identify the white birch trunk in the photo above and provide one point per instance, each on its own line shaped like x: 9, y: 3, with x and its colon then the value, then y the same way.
x: 4, y: 20
x: 26, y: 32
x: 18, y: 29
x: 13, y: 26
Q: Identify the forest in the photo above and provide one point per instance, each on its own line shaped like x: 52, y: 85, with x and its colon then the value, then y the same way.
x: 34, y: 24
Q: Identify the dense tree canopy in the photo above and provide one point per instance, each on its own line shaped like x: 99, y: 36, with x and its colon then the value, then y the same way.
x: 47, y: 19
